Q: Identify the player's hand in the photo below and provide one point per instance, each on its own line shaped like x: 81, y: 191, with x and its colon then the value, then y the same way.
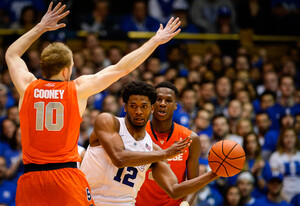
x: 50, y: 19
x: 178, y: 148
x: 164, y: 35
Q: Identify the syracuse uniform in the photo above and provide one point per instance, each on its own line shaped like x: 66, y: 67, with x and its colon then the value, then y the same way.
x: 150, y: 192
x: 49, y: 119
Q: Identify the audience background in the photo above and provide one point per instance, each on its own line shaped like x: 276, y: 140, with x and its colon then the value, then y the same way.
x: 229, y: 91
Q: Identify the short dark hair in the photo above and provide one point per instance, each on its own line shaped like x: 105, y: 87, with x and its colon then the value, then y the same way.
x: 219, y: 116
x: 273, y: 94
x: 168, y: 85
x: 139, y: 88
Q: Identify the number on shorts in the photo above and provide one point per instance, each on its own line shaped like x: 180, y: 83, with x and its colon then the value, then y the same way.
x: 128, y: 176
x: 50, y: 107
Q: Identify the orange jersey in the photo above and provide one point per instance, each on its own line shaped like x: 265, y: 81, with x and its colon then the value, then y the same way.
x: 150, y: 192
x: 50, y: 122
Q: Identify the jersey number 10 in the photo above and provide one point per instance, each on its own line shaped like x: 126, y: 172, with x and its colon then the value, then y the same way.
x: 49, y: 114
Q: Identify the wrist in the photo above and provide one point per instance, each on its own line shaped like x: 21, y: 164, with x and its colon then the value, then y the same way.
x: 155, y: 40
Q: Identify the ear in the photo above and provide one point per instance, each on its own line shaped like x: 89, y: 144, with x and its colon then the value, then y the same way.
x: 125, y: 107
x: 175, y: 106
x: 65, y: 72
x: 152, y: 108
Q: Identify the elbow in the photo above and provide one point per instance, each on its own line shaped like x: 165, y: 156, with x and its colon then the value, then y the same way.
x: 175, y: 194
x: 118, y: 162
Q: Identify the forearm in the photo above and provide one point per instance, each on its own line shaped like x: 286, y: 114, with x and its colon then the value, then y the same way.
x: 191, y: 186
x: 20, y: 46
x: 135, y: 158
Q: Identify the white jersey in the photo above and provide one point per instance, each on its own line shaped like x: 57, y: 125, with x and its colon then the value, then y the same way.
x: 289, y: 166
x: 111, y: 185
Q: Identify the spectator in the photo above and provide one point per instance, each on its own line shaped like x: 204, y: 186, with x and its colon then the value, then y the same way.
x: 27, y: 19
x: 115, y: 54
x: 248, y: 111
x: 255, y: 164
x: 7, y: 188
x: 202, y: 123
x: 232, y: 196
x: 205, y: 147
x: 100, y: 21
x: 245, y: 182
x: 244, y: 127
x: 242, y: 63
x: 234, y: 114
x: 208, y: 195
x: 297, y: 124
x: 223, y: 92
x: 270, y: 82
x: 206, y: 91
x: 110, y: 105
x: 273, y: 197
x: 139, y: 20
x: 208, y: 106
x: 220, y: 127
x: 286, y: 160
x: 225, y: 24
x: 205, y: 13
x: 254, y: 15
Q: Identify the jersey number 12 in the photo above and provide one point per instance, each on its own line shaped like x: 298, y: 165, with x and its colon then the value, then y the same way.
x: 131, y: 175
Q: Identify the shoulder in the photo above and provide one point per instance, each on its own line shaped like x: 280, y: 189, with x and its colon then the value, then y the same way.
x: 106, y: 119
x: 182, y: 130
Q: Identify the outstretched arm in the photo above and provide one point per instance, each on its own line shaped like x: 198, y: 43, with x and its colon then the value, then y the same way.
x: 167, y: 180
x: 92, y: 84
x: 18, y: 70
x: 106, y: 131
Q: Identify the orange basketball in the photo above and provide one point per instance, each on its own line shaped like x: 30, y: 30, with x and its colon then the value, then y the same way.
x: 226, y: 158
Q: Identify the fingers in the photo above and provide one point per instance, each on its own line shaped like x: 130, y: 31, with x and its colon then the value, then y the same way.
x: 61, y: 9
x: 56, y: 7
x: 50, y: 7
x: 170, y: 22
x: 64, y: 14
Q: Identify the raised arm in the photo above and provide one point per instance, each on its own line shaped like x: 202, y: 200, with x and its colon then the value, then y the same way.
x: 167, y: 180
x: 106, y: 131
x: 92, y: 84
x: 18, y: 70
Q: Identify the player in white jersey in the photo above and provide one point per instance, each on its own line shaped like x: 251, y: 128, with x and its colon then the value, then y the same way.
x: 120, y: 153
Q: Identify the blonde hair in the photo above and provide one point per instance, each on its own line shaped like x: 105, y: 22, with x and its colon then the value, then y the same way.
x: 54, y: 58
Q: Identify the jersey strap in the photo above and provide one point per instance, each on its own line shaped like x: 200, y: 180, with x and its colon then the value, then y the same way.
x: 153, y: 132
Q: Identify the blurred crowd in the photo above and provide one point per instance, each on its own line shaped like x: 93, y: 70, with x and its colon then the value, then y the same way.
x: 241, y: 95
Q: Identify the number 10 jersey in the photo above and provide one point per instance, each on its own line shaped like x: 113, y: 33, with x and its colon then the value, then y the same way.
x: 50, y: 121
x: 111, y: 185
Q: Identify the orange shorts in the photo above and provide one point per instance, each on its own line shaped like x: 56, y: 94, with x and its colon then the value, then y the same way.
x: 66, y: 186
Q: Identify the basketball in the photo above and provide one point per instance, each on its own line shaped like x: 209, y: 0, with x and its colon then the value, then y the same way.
x: 226, y: 158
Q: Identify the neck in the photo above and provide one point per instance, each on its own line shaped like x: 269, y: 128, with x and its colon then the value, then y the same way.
x: 138, y: 133
x: 162, y: 126
x: 222, y: 100
x: 289, y: 151
x: 274, y: 197
x: 286, y: 101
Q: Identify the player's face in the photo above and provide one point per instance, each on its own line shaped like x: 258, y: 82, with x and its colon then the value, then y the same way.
x: 165, y: 104
x: 138, y: 110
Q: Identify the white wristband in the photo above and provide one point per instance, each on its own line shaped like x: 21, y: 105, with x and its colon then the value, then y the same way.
x: 184, y: 203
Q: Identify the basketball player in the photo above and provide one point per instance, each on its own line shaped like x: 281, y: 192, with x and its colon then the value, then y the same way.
x: 51, y: 110
x: 121, y: 152
x: 164, y: 132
